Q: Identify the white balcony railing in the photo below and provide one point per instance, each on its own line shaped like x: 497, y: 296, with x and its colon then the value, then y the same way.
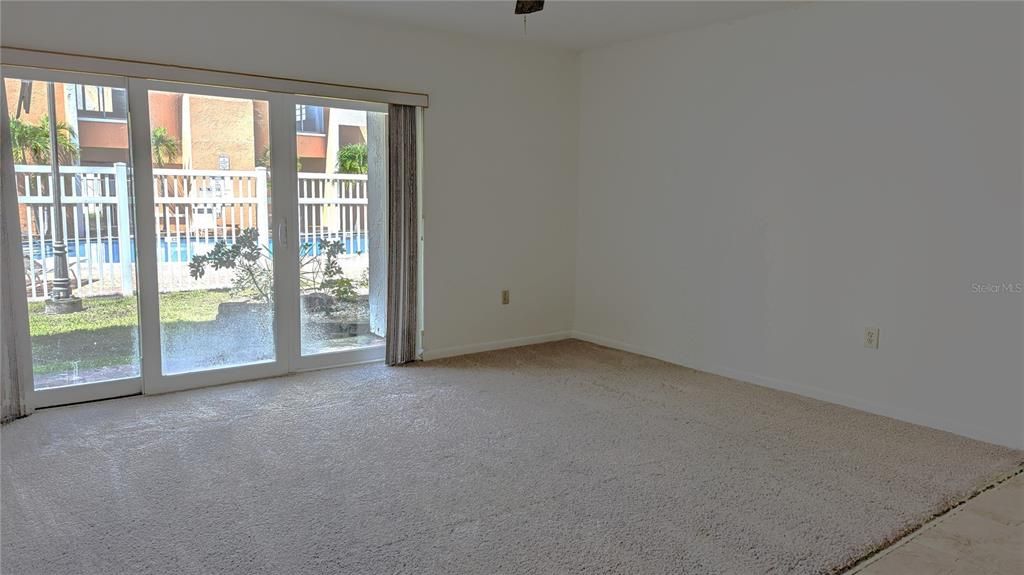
x: 194, y: 209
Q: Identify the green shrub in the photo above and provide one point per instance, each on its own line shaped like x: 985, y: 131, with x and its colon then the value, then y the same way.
x: 319, y: 268
x: 352, y: 159
x: 252, y: 264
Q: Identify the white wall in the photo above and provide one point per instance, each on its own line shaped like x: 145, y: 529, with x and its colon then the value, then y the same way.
x: 500, y: 135
x: 754, y: 194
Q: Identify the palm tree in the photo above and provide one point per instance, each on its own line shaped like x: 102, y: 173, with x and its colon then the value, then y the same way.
x: 31, y: 142
x: 165, y: 148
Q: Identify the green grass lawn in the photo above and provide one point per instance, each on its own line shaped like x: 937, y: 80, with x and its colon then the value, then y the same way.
x: 107, y: 312
x: 105, y: 332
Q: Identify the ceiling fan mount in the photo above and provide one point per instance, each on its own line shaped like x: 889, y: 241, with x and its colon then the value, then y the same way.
x: 529, y: 6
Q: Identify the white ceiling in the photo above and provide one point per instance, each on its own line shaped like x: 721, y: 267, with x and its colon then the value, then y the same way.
x: 572, y: 24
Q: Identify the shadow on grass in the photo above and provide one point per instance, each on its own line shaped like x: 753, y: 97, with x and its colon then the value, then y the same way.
x: 102, y: 342
x: 112, y: 352
x: 110, y: 347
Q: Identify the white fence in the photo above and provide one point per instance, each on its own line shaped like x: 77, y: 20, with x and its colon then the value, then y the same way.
x: 194, y: 209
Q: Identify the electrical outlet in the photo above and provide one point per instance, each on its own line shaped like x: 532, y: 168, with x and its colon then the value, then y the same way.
x: 504, y: 297
x: 871, y: 337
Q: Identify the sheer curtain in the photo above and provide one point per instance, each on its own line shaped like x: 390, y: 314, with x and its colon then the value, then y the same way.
x: 15, y: 370
x: 403, y: 235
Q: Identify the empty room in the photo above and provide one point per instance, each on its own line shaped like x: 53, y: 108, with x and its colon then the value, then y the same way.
x: 511, y: 287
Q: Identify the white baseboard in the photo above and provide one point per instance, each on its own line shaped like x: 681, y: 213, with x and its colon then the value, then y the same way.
x: 972, y: 431
x: 429, y: 354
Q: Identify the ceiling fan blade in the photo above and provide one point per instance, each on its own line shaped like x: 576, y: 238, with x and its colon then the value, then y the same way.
x: 529, y: 6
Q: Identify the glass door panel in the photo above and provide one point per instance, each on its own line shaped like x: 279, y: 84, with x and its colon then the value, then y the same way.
x: 77, y: 229
x: 341, y: 191
x: 214, y: 244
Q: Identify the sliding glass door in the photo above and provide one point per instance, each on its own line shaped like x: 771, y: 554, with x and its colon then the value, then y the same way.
x: 75, y: 202
x: 211, y: 200
x: 208, y: 235
x: 178, y: 235
x: 341, y: 217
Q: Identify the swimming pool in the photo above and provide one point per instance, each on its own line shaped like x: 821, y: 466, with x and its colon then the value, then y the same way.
x: 175, y: 249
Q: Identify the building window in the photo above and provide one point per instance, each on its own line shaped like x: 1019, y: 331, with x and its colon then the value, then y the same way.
x: 309, y: 119
x: 101, y: 102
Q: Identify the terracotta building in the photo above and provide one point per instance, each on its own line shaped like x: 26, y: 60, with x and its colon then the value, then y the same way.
x: 212, y: 133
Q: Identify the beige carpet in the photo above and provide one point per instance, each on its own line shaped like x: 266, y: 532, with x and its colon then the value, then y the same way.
x: 557, y: 458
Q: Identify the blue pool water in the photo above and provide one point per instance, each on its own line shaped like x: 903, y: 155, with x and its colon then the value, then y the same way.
x: 174, y: 250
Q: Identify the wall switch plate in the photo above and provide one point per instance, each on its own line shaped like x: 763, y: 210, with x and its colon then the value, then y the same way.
x: 504, y: 297
x: 871, y: 338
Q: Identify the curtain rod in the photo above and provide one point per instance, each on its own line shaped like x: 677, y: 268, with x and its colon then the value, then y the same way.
x: 13, y: 56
